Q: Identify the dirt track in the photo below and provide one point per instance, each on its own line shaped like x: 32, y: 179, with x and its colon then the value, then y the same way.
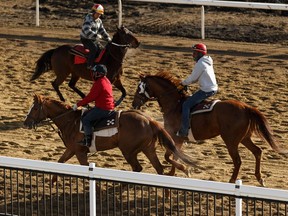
x: 255, y: 73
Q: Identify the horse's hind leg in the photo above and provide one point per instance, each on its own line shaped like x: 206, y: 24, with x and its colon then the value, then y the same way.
x: 133, y: 161
x: 72, y: 85
x: 153, y: 158
x: 232, y: 146
x: 176, y: 164
x: 257, y: 152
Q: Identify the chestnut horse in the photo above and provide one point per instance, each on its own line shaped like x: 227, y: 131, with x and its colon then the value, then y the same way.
x: 61, y: 61
x: 233, y: 120
x: 136, y: 133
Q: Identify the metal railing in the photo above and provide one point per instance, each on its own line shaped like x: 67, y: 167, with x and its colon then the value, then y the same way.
x: 26, y: 189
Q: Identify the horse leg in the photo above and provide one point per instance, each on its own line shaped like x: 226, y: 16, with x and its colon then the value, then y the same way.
x: 65, y: 157
x: 234, y: 154
x: 178, y: 144
x: 56, y: 83
x: 118, y: 84
x: 72, y: 85
x: 133, y: 161
x: 257, y: 152
x: 82, y: 158
x: 175, y: 164
x: 153, y: 158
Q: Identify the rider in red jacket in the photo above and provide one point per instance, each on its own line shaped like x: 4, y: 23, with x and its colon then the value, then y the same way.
x: 101, y: 93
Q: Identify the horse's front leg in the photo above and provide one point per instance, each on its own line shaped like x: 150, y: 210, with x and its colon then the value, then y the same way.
x: 118, y: 84
x: 72, y: 85
x: 65, y: 157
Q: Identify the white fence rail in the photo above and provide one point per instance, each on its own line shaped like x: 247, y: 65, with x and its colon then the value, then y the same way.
x: 202, y: 3
x: 251, y: 5
x: 93, y: 172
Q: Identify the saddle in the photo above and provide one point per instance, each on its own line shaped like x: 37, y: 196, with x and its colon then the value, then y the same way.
x: 105, y: 127
x: 80, y: 54
x: 111, y: 121
x: 204, y: 106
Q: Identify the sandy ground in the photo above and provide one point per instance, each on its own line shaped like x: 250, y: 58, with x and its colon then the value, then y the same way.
x: 255, y: 73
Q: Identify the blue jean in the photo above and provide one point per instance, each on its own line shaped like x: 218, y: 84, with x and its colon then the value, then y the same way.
x: 190, y: 102
x: 91, y: 116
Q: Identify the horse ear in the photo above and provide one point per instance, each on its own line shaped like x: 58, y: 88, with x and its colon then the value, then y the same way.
x: 142, y: 76
x: 35, y: 97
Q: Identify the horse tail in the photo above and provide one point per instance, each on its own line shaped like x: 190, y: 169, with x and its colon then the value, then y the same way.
x: 43, y: 64
x: 259, y: 125
x: 166, y: 140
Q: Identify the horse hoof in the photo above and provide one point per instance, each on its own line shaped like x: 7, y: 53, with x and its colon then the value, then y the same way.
x: 189, y: 172
x: 262, y: 182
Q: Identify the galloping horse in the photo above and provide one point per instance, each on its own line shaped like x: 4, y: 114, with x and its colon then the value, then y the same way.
x: 136, y: 133
x: 61, y: 61
x: 233, y: 120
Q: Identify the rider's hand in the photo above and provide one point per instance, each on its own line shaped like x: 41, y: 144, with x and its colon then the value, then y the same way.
x: 74, y: 107
x: 181, y: 87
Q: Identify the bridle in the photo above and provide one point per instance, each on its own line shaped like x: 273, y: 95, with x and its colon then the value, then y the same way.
x: 144, y: 96
x: 122, y: 47
x: 45, y: 121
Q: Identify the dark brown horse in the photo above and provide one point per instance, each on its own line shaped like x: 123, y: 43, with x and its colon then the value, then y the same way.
x: 61, y: 61
x: 136, y: 133
x: 233, y: 120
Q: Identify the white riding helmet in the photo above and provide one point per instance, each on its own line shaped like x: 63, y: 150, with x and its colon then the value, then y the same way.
x: 98, y: 8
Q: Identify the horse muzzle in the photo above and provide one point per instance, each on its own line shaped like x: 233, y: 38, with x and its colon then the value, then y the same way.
x: 30, y: 124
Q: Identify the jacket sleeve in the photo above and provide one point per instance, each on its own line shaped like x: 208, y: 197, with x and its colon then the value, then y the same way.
x: 194, y: 76
x: 92, y: 95
x: 102, y: 31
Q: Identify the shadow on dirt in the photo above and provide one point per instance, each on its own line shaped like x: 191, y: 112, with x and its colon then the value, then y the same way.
x: 146, y: 46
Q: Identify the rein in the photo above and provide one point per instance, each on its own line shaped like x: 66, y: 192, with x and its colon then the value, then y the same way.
x: 124, y: 46
x: 50, y: 120
x: 121, y: 45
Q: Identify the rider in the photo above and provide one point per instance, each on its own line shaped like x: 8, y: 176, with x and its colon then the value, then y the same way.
x: 203, y: 73
x: 91, y: 28
x: 101, y: 92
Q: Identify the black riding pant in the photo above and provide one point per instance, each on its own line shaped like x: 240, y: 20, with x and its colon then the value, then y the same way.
x: 93, y: 47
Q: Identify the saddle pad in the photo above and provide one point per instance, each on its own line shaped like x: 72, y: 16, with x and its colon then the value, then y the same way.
x: 205, y: 106
x: 103, y: 133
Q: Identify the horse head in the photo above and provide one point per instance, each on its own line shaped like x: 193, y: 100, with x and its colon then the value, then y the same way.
x: 36, y: 114
x: 124, y: 36
x: 158, y: 87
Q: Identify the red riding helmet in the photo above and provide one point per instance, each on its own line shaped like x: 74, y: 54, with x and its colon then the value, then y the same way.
x: 98, y: 8
x: 200, y: 48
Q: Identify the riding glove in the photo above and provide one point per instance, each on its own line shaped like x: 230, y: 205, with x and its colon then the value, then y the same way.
x: 74, y: 107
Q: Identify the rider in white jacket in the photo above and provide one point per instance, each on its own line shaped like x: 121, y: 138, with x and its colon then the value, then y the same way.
x: 203, y: 73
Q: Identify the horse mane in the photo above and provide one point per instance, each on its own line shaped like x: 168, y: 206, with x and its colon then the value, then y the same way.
x: 58, y: 103
x: 168, y: 76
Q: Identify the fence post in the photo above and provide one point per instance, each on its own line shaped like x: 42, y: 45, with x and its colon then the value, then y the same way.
x: 202, y: 22
x: 119, y: 13
x: 238, y: 200
x: 92, y: 190
x: 37, y: 12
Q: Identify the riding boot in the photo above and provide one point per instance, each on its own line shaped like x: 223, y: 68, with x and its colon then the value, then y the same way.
x: 182, y: 133
x: 86, y: 141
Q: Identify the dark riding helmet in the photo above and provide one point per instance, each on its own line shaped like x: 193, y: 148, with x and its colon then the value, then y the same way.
x: 99, y: 71
x: 199, y: 50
